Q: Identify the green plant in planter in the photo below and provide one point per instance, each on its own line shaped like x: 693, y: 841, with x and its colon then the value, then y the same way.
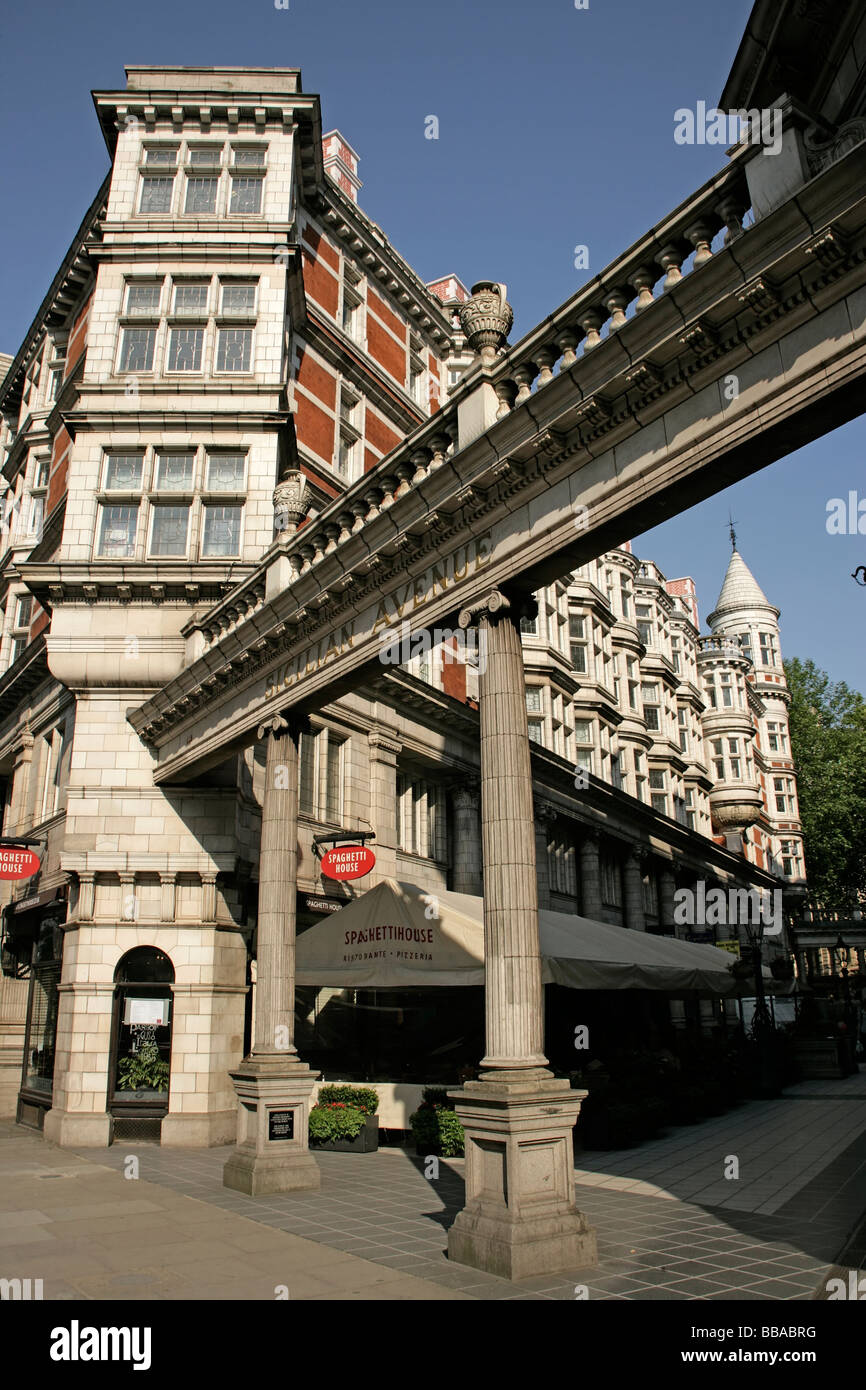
x: 143, y: 1070
x: 362, y: 1098
x: 435, y: 1126
x: 333, y: 1121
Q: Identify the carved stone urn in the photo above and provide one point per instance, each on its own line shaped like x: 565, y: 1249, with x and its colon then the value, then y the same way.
x: 292, y: 502
x: 486, y: 319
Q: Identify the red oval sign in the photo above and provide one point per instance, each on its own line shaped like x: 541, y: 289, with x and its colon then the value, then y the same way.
x: 17, y: 863
x: 349, y: 861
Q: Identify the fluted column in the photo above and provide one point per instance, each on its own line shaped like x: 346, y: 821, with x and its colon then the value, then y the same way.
x: 272, y: 1084
x: 590, y: 877
x: 278, y: 876
x: 467, y: 875
x: 633, y: 893
x: 513, y: 994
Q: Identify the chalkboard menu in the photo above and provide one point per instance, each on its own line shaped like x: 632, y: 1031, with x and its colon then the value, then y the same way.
x: 281, y: 1124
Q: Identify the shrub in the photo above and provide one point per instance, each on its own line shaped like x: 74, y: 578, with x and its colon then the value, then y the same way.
x: 334, y: 1121
x: 143, y: 1071
x: 362, y: 1098
x: 435, y: 1126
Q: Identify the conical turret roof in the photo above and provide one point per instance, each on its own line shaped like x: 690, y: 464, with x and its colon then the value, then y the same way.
x: 740, y: 591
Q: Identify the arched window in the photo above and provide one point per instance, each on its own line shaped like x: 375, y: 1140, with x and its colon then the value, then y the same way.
x: 144, y: 965
x: 143, y: 1015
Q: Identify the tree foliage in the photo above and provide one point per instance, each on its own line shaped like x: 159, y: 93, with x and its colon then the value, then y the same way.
x: 828, y: 744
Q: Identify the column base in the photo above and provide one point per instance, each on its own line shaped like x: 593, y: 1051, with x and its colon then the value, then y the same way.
x: 520, y: 1217
x: 272, y: 1153
x: 72, y: 1130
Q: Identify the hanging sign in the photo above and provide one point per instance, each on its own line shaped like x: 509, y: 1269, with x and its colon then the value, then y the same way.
x: 18, y: 863
x: 349, y: 861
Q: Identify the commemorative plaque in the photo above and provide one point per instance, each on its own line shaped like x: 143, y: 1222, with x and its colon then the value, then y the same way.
x: 281, y: 1124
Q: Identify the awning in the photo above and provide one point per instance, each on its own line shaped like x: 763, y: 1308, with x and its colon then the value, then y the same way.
x: 396, y: 935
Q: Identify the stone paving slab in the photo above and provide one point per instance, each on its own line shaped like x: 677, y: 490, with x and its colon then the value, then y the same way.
x: 90, y: 1233
x: 663, y: 1233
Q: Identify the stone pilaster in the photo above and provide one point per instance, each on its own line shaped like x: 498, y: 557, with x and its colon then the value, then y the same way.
x: 667, y: 888
x: 633, y: 892
x: 545, y: 815
x: 467, y: 875
x: 590, y: 877
x: 520, y: 1218
x: 383, y: 802
x: 273, y: 1086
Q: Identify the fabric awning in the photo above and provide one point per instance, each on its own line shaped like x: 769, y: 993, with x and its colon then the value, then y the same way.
x: 396, y: 935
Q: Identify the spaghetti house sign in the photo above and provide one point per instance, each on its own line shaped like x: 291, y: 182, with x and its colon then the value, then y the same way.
x: 18, y: 863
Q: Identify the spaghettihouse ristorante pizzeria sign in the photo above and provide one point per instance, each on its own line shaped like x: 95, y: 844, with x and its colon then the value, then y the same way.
x: 400, y: 941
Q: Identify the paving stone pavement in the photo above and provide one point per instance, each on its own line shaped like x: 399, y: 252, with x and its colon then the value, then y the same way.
x: 668, y: 1226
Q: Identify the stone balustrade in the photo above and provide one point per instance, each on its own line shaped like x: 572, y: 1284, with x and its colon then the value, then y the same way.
x: 655, y: 264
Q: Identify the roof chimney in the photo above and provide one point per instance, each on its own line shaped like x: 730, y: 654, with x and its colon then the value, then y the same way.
x: 341, y: 162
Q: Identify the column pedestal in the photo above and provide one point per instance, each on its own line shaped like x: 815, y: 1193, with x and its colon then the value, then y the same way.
x: 274, y: 1109
x: 520, y: 1219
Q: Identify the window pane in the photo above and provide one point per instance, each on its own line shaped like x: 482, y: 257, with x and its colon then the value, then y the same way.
x: 156, y: 195
x: 143, y: 299
x: 307, y: 774
x: 234, y: 349
x: 169, y: 530
x: 204, y: 156
x: 533, y: 697
x: 246, y: 194
x: 123, y: 472
x: 190, y: 299
x: 222, y: 531
x: 225, y: 472
x: 238, y: 299
x: 161, y: 155
x: 174, y: 472
x: 184, y: 349
x: 136, y: 353
x: 23, y: 608
x: 576, y: 625
x: 254, y: 157
x: 535, y: 730
x: 332, y: 798
x: 201, y: 195
x: 117, y: 532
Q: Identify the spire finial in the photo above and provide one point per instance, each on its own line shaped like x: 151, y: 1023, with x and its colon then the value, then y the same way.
x: 732, y: 532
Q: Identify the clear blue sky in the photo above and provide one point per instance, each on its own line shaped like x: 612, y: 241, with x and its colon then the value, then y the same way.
x: 555, y: 129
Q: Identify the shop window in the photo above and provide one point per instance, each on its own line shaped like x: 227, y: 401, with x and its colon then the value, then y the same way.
x: 141, y: 1060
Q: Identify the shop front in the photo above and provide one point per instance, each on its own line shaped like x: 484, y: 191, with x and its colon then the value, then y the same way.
x: 33, y: 948
x: 140, y: 1062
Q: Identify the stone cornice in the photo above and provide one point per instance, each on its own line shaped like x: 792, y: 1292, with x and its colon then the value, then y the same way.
x: 89, y: 582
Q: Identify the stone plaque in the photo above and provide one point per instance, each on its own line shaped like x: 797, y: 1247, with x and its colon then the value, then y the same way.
x: 281, y: 1124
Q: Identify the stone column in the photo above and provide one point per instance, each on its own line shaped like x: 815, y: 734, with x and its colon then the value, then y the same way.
x: 520, y: 1218
x: 273, y: 1086
x: 467, y: 877
x: 590, y: 877
x: 667, y: 904
x: 545, y: 815
x: 633, y: 892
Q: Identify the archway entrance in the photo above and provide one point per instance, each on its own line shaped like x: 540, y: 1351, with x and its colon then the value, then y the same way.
x: 140, y: 1065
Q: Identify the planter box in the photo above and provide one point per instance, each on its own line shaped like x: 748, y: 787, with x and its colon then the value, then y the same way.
x: 365, y: 1142
x: 819, y: 1058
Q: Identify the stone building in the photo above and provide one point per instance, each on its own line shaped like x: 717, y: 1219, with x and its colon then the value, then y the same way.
x: 229, y: 334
